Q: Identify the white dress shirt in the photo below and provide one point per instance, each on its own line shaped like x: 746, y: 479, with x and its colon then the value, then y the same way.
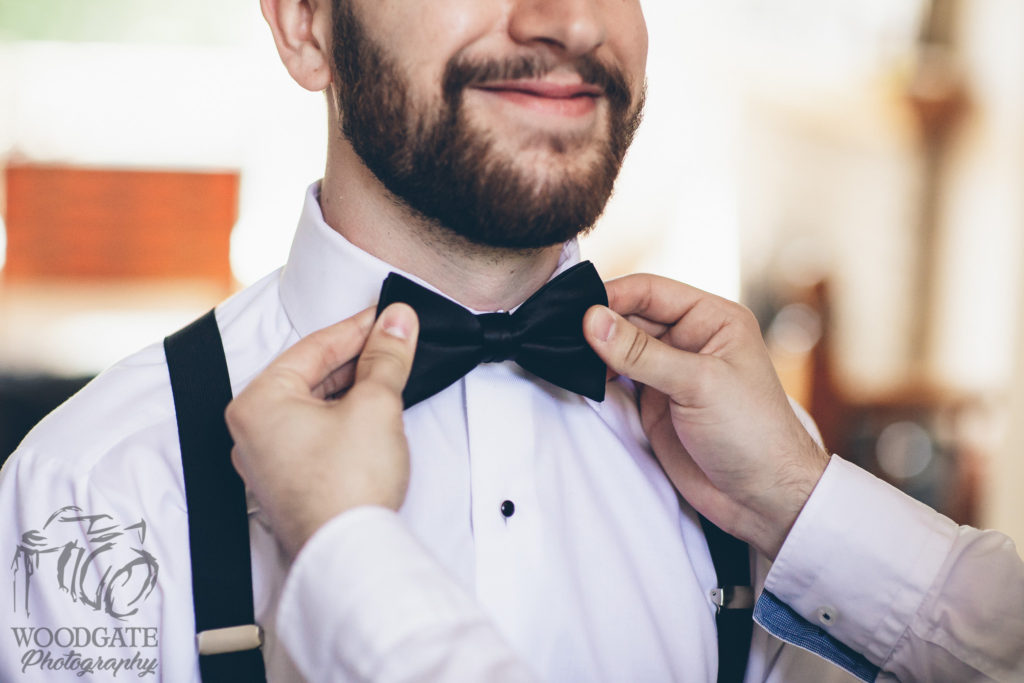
x: 925, y: 600
x: 598, y: 575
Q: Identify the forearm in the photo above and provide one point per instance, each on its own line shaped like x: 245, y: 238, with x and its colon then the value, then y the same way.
x: 914, y: 593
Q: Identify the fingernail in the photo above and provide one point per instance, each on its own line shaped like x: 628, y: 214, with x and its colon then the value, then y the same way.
x: 602, y: 324
x: 396, y: 331
x: 395, y: 323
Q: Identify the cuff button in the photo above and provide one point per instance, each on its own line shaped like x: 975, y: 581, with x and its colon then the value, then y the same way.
x: 827, y: 615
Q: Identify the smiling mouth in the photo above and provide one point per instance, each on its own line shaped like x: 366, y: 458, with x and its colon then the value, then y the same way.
x: 561, y: 99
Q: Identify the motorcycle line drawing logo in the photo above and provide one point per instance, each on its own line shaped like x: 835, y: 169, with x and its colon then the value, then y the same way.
x: 97, y: 563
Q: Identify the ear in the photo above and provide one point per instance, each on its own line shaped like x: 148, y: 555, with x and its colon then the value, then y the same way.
x: 302, y: 33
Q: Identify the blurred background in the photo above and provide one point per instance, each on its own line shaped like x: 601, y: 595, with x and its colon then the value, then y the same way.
x: 853, y: 172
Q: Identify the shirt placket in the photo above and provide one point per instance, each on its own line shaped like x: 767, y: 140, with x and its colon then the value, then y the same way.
x: 506, y: 523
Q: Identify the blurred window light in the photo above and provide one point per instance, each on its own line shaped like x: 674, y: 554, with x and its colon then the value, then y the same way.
x: 126, y: 21
x: 102, y: 336
x: 789, y: 50
x: 838, y: 23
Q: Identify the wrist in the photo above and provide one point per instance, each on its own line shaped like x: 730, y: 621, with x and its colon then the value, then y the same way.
x: 302, y: 522
x: 774, y: 513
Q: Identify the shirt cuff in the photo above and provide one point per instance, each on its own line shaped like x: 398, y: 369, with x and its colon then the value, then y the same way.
x: 352, y: 579
x: 364, y: 596
x: 860, y: 559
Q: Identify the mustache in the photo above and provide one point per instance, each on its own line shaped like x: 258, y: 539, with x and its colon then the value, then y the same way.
x: 462, y: 73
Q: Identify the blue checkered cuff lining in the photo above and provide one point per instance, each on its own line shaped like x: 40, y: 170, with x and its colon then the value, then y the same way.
x: 781, y: 621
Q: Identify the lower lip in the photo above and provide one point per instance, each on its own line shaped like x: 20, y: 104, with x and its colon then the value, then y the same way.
x: 559, y: 106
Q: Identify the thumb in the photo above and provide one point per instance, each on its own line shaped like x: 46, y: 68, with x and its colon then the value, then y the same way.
x: 630, y: 351
x: 387, y: 357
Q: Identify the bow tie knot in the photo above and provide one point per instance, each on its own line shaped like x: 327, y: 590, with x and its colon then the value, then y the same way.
x: 544, y: 335
x: 501, y: 337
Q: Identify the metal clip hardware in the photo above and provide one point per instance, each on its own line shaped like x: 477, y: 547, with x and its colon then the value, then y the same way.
x: 217, y: 641
x: 732, y: 597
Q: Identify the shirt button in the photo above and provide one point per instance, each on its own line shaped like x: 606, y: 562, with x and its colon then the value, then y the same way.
x: 827, y: 615
x: 508, y: 508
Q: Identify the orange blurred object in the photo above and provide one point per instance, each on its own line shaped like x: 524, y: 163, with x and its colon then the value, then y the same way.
x: 113, y: 224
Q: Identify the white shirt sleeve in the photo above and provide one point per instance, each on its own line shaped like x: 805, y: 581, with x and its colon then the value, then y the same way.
x: 364, y: 597
x: 917, y: 595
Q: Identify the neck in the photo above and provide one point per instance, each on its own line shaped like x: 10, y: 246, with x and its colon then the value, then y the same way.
x: 355, y: 204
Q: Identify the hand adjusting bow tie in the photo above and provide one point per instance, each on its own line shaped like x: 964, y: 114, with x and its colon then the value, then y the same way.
x: 544, y: 335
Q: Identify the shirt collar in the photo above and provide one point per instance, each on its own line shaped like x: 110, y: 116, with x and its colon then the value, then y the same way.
x: 328, y: 279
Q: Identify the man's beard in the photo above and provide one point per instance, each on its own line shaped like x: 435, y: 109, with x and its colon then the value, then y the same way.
x: 450, y: 174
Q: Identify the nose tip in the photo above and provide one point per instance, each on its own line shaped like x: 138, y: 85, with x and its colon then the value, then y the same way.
x: 573, y: 27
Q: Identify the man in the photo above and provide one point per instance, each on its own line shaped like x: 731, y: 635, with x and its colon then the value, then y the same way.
x: 470, y: 143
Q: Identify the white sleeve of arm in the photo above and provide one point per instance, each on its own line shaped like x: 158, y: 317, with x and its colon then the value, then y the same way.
x: 365, y: 598
x: 920, y: 597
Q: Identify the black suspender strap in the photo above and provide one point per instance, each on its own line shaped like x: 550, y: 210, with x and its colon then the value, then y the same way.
x: 218, y: 526
x: 735, y: 600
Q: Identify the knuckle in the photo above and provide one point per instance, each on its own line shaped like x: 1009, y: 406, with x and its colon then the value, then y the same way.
x: 238, y: 461
x: 747, y: 318
x: 704, y: 377
x: 637, y: 347
x: 235, y: 413
x: 647, y: 293
x: 383, y: 363
x: 739, y: 321
x: 388, y: 358
x: 374, y: 396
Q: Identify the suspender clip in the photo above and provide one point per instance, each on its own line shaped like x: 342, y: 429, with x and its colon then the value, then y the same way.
x: 217, y: 641
x: 732, y: 597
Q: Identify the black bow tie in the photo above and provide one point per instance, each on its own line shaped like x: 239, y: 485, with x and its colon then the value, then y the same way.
x: 544, y: 335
